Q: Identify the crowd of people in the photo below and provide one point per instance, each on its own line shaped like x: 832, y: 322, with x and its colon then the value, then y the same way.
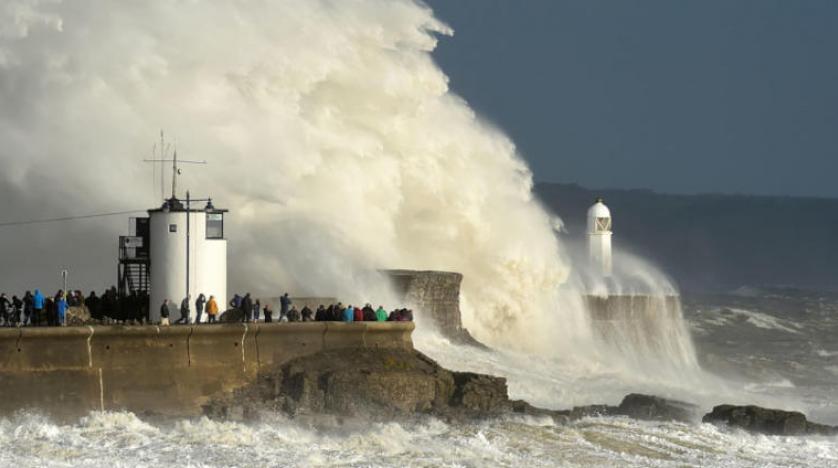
x: 248, y: 310
x: 36, y: 309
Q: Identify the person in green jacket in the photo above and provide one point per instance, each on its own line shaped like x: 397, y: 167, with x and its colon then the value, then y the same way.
x: 381, y: 314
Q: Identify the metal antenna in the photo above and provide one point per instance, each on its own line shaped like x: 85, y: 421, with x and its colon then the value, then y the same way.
x: 175, y: 169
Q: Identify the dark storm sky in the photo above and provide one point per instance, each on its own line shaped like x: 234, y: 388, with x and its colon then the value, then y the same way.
x: 700, y: 96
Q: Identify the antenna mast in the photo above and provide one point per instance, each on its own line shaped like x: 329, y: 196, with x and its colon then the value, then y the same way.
x: 175, y: 169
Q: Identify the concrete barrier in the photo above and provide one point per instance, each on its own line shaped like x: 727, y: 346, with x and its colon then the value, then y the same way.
x: 68, y: 372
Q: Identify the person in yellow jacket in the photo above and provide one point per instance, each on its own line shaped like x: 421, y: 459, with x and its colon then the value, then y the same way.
x: 212, y: 309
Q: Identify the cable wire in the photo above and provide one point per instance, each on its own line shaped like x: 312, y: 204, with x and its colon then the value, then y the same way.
x: 67, y: 218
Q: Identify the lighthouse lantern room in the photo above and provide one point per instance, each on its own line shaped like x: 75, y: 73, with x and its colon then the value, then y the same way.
x: 599, y: 237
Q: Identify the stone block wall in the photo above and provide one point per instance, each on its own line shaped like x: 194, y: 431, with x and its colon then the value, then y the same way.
x: 434, y: 295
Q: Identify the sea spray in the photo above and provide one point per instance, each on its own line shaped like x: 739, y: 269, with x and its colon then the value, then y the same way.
x: 330, y: 133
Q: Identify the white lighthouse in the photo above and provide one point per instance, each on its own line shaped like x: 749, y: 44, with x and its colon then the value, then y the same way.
x: 599, y: 237
x: 188, y: 254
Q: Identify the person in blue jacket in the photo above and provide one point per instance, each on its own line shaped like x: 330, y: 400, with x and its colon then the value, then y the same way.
x: 349, y: 314
x: 37, y: 307
x: 61, y: 306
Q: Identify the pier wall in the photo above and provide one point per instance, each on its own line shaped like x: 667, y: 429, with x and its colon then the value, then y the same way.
x: 434, y: 293
x: 68, y: 372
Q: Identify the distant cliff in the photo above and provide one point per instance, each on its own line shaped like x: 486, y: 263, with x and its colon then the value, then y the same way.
x: 715, y: 242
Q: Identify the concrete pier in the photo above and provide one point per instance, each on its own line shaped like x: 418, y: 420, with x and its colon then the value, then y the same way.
x: 173, y: 371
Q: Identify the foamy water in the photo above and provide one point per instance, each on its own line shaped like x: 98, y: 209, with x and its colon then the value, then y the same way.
x: 121, y: 439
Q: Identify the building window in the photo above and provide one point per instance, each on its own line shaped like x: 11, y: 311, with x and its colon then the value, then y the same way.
x: 173, y: 228
x: 215, y: 225
x: 603, y: 224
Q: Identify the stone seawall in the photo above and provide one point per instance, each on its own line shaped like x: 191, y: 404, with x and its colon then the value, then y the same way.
x: 172, y: 371
x: 435, y: 294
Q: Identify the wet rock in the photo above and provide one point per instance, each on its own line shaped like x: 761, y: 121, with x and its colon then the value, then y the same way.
x: 75, y: 316
x: 231, y: 315
x: 479, y: 393
x: 766, y: 421
x: 650, y: 407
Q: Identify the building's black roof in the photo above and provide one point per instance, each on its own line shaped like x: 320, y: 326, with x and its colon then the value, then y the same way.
x: 176, y: 205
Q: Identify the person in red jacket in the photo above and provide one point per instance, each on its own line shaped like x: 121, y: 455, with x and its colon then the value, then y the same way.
x: 359, y: 315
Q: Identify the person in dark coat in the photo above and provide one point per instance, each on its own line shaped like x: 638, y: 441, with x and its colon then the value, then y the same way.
x: 268, y: 312
x: 17, y: 308
x: 333, y: 313
x: 294, y: 315
x: 184, y: 311
x: 199, y: 307
x: 5, y: 307
x: 369, y: 313
x: 246, y: 307
x: 236, y: 301
x: 307, y: 314
x: 27, y: 308
x: 49, y: 310
x: 284, y: 304
x: 164, y: 313
x: 320, y: 315
x: 92, y: 303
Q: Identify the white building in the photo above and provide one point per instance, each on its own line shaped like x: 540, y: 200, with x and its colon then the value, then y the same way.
x: 188, y: 255
x: 599, y: 237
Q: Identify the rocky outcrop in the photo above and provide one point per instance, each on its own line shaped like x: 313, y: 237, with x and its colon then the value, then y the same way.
x: 393, y: 384
x: 766, y: 421
x: 655, y: 408
x: 635, y: 405
x: 78, y: 315
x: 369, y: 384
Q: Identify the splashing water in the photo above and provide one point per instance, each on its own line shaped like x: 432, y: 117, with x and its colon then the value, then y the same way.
x: 330, y: 132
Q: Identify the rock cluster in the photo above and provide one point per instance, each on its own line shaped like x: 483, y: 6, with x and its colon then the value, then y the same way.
x: 369, y: 384
x: 635, y: 405
x: 383, y: 385
x: 766, y: 421
x: 341, y: 386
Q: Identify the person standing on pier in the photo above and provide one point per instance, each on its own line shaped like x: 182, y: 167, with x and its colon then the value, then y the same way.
x: 247, y: 308
x: 184, y: 311
x: 4, y: 309
x: 212, y: 309
x: 37, y: 307
x: 60, y: 307
x: 199, y: 307
x: 27, y: 309
x: 164, y: 313
x: 284, y: 304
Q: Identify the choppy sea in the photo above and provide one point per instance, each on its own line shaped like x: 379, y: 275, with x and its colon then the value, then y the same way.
x: 772, y: 347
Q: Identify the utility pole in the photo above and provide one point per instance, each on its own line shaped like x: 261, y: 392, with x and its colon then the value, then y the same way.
x: 188, y: 235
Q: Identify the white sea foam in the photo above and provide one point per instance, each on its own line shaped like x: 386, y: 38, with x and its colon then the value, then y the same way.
x: 500, y: 442
x: 768, y: 322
